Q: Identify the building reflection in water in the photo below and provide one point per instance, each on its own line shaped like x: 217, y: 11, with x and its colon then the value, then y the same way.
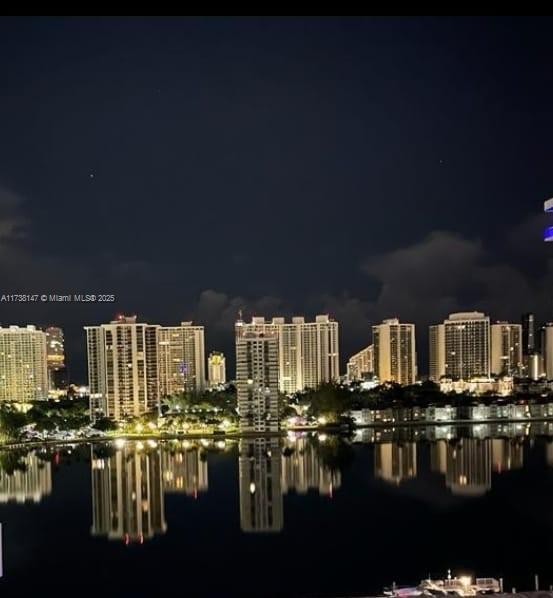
x: 303, y: 470
x: 130, y: 479
x: 127, y: 494
x: 395, y: 462
x: 185, y: 470
x: 467, y: 463
x: 28, y: 479
x: 260, y: 485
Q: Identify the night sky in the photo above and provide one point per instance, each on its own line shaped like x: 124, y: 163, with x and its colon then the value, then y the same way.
x: 365, y: 168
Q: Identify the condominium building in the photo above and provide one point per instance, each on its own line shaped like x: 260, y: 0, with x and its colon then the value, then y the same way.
x: 529, y: 344
x: 122, y: 368
x: 23, y: 364
x: 548, y: 350
x: 395, y: 358
x: 55, y: 353
x: 506, y: 349
x: 216, y: 369
x: 257, y: 381
x: 361, y: 364
x: 436, y: 364
x: 466, y: 339
x: 181, y: 359
x: 308, y: 352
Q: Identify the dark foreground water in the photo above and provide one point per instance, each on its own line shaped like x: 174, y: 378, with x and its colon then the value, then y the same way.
x: 305, y: 516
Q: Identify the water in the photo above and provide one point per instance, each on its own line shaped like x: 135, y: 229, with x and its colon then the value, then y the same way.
x: 305, y: 516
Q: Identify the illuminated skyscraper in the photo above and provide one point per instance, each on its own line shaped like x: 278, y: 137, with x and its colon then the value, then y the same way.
x: 181, y: 359
x: 216, y: 369
x: 436, y: 338
x: 548, y: 350
x: 257, y: 381
x: 127, y: 494
x: 122, y: 368
x: 261, y: 507
x: 308, y: 352
x: 467, y: 345
x: 506, y: 349
x: 57, y: 371
x: 361, y: 364
x: 23, y: 364
x: 528, y: 334
x: 395, y: 358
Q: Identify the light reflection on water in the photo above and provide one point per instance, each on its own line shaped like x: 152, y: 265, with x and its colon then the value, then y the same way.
x: 130, y: 479
x: 131, y: 482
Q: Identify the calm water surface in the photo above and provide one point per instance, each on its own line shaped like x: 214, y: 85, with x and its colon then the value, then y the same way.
x: 303, y: 516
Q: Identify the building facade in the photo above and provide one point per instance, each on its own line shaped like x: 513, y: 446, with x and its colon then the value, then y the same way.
x: 216, y: 369
x: 23, y: 364
x: 548, y: 350
x: 436, y: 363
x: 55, y: 353
x: 395, y: 358
x: 467, y: 345
x: 361, y: 364
x: 257, y: 370
x: 123, y: 368
x: 506, y: 349
x: 308, y: 352
x: 181, y: 359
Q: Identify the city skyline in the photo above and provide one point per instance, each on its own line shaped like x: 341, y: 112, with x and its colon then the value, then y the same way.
x: 275, y: 295
x: 182, y: 362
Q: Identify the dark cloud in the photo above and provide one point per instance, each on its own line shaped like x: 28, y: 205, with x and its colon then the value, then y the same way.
x: 13, y: 224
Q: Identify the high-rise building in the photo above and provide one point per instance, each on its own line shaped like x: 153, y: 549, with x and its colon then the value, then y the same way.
x: 181, y: 359
x: 506, y: 349
x: 57, y: 370
x: 127, y: 495
x: 23, y: 364
x: 361, y: 364
x: 436, y: 339
x: 261, y: 508
x: 528, y: 334
x: 308, y: 352
x: 395, y: 358
x: 122, y: 368
x: 467, y: 345
x: 257, y: 381
x: 216, y: 369
x: 548, y: 350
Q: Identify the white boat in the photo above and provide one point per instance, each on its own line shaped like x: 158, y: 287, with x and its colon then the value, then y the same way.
x: 462, y: 587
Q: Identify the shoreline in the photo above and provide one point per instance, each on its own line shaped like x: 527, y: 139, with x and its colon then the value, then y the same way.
x: 328, y: 429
